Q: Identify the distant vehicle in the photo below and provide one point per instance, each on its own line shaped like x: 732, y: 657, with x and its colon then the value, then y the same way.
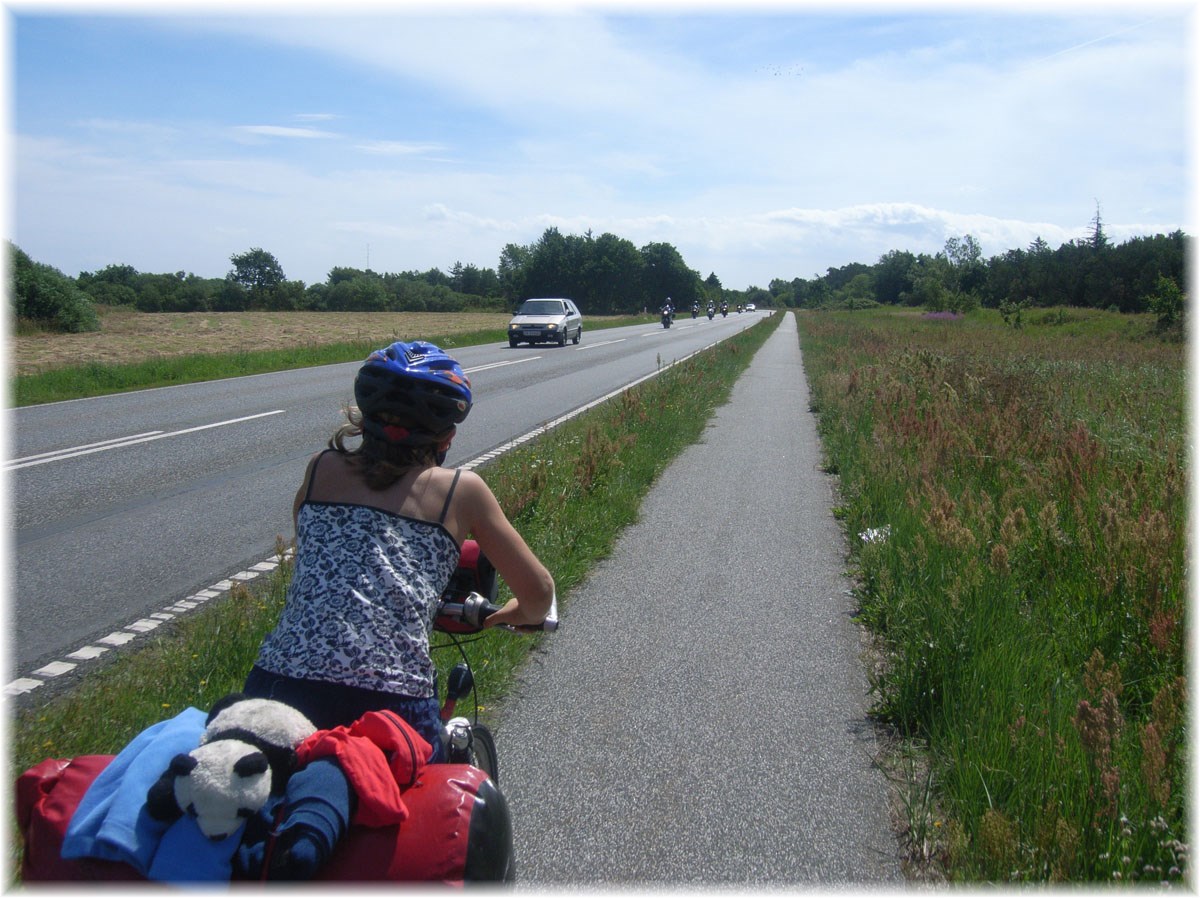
x: 551, y: 320
x: 750, y: 307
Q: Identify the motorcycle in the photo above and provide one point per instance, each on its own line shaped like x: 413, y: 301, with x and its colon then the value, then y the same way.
x: 711, y: 312
x: 724, y: 310
x: 459, y: 828
x: 695, y: 312
x: 666, y: 318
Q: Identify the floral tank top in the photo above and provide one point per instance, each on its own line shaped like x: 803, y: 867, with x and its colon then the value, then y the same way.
x: 360, y: 606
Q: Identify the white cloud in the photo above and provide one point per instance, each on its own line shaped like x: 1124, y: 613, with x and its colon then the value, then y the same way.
x: 284, y: 132
x: 398, y: 148
x: 757, y: 154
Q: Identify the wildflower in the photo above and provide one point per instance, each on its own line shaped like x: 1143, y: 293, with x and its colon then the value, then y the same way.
x: 876, y: 534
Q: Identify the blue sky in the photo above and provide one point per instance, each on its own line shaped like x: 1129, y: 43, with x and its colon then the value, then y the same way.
x: 762, y: 141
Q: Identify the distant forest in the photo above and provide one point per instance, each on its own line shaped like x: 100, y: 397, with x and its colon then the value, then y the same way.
x: 609, y: 275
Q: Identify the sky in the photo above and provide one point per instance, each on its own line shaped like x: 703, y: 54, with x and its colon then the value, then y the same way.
x: 762, y: 140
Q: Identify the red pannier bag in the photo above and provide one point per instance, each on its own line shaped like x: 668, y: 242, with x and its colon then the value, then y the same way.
x: 459, y: 830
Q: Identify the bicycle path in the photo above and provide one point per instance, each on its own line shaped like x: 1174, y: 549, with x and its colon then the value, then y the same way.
x: 700, y: 718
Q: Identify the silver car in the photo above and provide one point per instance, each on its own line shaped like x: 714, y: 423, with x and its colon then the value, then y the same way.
x: 553, y: 320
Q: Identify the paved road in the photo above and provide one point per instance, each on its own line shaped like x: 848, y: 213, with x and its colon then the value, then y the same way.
x: 700, y: 717
x: 124, y: 505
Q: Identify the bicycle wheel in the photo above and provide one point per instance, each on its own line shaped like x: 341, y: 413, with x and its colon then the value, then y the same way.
x: 483, y: 752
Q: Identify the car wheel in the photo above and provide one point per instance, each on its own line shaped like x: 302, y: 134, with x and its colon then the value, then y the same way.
x: 578, y: 335
x: 513, y: 343
x: 562, y: 339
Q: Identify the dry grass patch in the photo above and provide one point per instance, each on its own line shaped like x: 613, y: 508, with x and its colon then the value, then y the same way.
x: 129, y: 336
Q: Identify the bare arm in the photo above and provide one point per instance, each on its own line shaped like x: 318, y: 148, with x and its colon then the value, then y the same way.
x: 530, y: 582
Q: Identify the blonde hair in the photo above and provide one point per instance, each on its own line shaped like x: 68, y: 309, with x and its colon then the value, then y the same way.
x: 382, y: 463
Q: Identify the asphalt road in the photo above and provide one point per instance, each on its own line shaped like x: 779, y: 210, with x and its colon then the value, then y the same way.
x: 699, y: 719
x: 123, y: 505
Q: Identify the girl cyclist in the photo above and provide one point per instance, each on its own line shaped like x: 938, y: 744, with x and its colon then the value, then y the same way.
x: 378, y: 533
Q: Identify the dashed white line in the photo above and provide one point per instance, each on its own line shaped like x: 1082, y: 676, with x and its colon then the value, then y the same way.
x: 37, y: 678
x: 131, y: 631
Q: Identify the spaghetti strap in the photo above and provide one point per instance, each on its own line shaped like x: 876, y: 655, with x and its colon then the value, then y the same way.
x: 450, y: 495
x: 312, y: 473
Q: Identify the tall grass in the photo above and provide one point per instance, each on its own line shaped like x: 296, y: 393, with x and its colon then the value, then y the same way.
x: 1017, y: 499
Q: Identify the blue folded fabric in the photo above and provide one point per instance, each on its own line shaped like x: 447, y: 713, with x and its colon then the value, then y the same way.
x: 185, y: 854
x: 111, y: 822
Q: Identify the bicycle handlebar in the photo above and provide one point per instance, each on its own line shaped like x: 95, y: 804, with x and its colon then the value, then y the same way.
x: 469, y: 614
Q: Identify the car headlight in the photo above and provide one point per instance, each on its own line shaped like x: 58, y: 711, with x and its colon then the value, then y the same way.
x: 551, y: 327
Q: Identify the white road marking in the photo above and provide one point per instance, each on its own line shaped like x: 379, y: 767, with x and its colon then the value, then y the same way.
x: 24, y: 685
x: 529, y: 358
x: 119, y: 443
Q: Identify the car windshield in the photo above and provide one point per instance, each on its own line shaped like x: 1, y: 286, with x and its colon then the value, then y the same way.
x: 541, y: 307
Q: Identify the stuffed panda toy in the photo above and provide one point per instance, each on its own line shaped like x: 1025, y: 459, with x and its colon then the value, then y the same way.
x: 246, y: 754
x: 272, y: 727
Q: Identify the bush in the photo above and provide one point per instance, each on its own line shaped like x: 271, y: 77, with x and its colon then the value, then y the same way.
x: 50, y: 298
x: 1167, y: 302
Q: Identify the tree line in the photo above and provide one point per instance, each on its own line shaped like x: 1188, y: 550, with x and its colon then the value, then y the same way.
x: 604, y: 275
x: 610, y: 275
x: 1143, y: 274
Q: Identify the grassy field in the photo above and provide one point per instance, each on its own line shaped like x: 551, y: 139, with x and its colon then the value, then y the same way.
x: 1017, y: 500
x: 570, y: 493
x: 135, y: 350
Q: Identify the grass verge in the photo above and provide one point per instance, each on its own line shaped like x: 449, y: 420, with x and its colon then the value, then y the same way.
x: 1017, y: 504
x: 570, y: 493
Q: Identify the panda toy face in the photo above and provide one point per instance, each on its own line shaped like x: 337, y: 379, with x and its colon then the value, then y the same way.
x: 220, y: 784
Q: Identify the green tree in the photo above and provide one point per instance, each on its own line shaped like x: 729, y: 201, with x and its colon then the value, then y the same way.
x: 1168, y: 302
x: 966, y: 261
x: 514, y: 263
x: 44, y: 294
x: 890, y: 277
x: 666, y: 274
x: 259, y: 274
x: 613, y: 271
x: 714, y: 292
x: 931, y: 278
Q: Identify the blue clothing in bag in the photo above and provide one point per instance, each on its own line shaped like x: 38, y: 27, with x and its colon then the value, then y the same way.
x: 112, y: 823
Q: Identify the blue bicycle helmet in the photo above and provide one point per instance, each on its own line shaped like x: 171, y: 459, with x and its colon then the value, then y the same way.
x: 417, y: 386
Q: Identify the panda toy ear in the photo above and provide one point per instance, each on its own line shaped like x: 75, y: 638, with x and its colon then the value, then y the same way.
x: 222, y: 703
x: 182, y: 765
x: 161, y: 803
x: 252, y: 765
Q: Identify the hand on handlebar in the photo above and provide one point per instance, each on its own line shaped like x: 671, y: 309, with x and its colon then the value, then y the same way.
x: 474, y: 613
x: 509, y: 616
